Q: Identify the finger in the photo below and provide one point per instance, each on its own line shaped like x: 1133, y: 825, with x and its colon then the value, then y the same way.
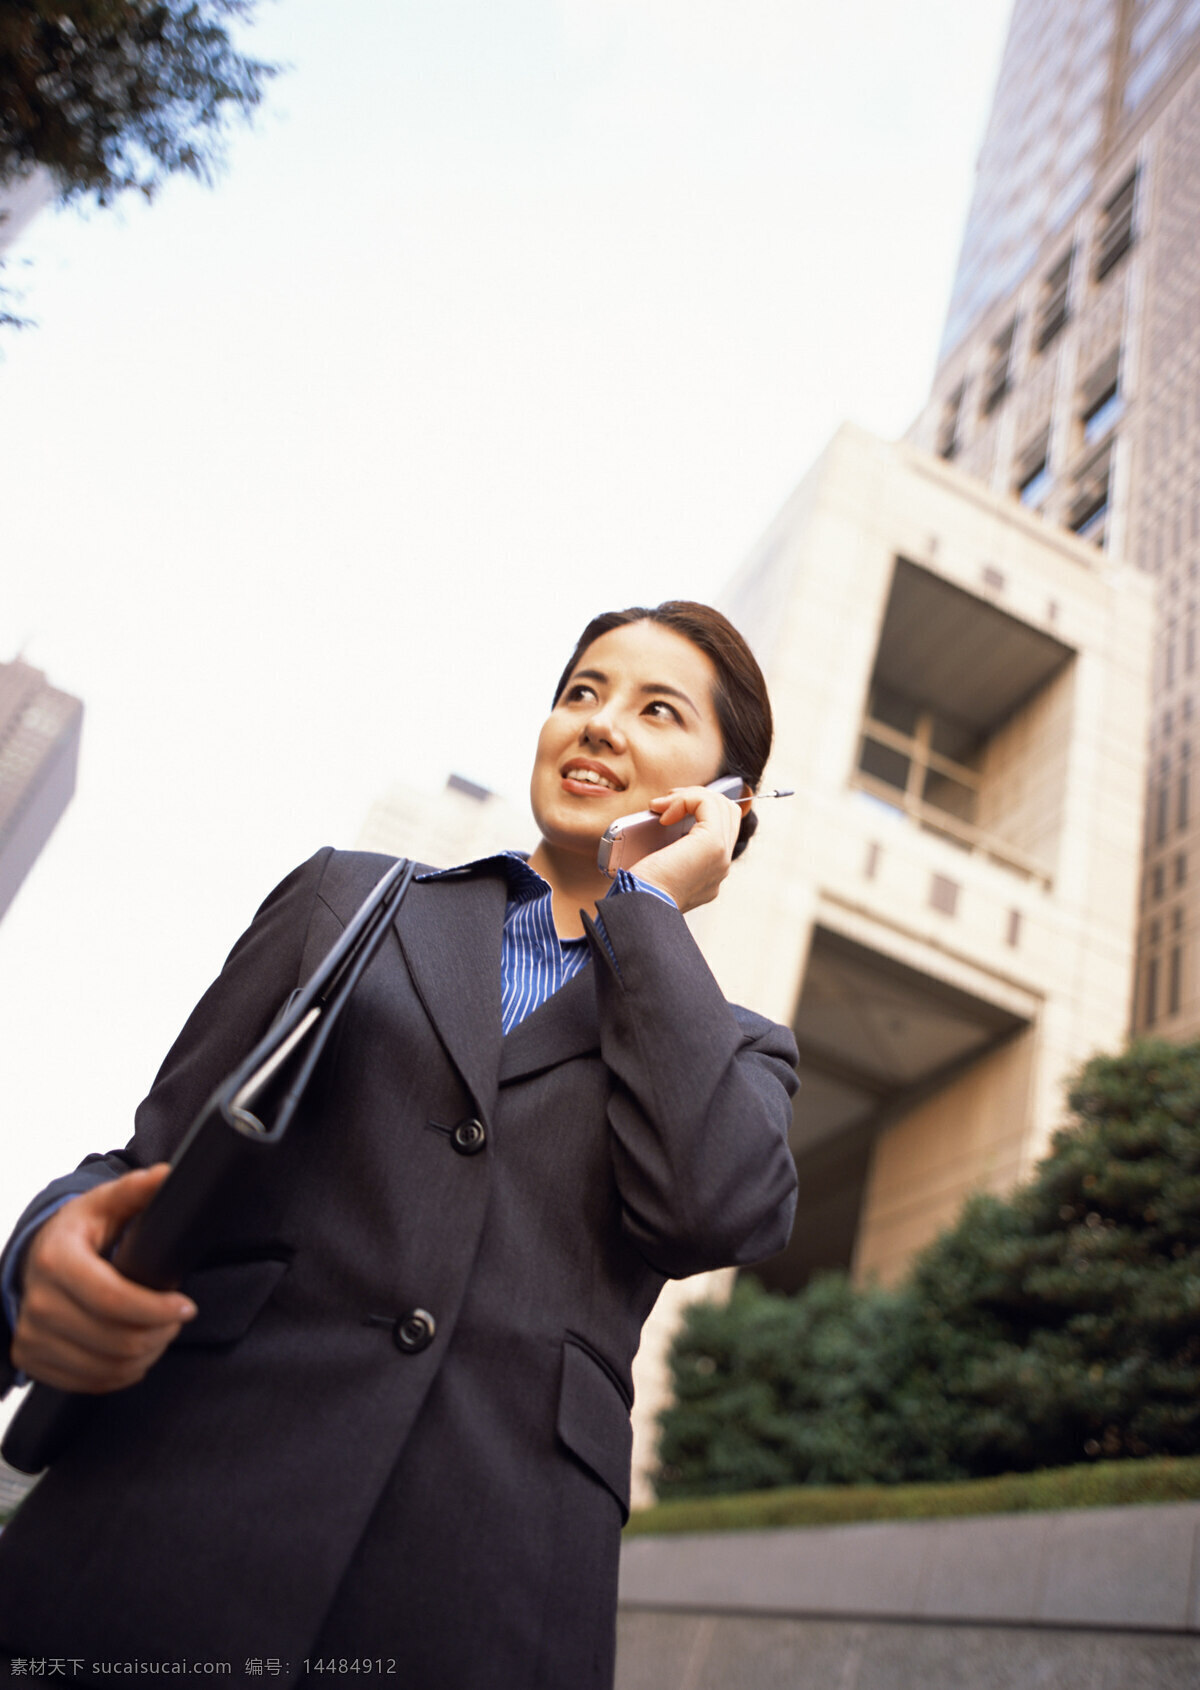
x: 108, y: 1207
x: 64, y: 1260
x: 59, y: 1343
x: 51, y: 1317
x: 671, y: 809
x: 713, y: 811
x: 72, y: 1370
x: 687, y: 800
x: 95, y: 1350
x: 68, y: 1271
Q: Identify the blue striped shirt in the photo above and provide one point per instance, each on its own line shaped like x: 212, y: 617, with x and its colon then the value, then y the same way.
x: 534, y: 962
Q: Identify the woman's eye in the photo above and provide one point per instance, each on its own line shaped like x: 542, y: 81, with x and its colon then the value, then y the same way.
x: 579, y: 691
x: 659, y: 708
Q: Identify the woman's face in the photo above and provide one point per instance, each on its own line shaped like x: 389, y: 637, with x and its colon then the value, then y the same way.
x: 635, y: 718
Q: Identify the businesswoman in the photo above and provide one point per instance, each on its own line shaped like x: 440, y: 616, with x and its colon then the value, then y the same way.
x: 389, y: 1421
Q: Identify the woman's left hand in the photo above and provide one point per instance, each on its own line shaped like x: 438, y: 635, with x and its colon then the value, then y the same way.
x: 692, y: 869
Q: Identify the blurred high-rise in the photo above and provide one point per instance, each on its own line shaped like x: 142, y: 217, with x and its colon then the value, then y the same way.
x: 456, y: 825
x: 39, y: 754
x: 20, y: 202
x: 1069, y: 375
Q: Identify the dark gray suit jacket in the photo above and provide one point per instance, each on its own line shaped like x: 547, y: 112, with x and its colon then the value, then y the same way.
x: 399, y: 1427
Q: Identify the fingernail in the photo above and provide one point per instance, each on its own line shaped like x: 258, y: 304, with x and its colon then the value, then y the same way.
x: 187, y: 1309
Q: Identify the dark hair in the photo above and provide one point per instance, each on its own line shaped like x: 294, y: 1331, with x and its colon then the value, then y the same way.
x: 739, y: 698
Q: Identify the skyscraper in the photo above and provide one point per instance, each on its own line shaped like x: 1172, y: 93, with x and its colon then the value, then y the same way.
x: 39, y: 752
x: 20, y: 201
x: 1069, y: 374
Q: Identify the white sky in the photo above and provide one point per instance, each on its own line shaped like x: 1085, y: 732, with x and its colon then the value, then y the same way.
x: 504, y: 313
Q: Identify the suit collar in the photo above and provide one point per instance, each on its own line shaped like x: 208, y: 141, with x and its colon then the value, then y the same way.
x: 450, y: 932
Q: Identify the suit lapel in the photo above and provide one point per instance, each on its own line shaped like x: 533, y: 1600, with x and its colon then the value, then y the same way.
x: 565, y: 1025
x: 450, y: 934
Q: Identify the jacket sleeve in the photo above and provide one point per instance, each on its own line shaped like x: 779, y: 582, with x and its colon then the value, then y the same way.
x: 237, y: 1009
x: 701, y: 1104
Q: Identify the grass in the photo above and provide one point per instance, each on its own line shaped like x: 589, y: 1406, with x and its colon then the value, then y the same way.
x: 1098, y: 1484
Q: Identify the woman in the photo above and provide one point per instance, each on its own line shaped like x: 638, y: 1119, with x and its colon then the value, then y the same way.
x: 392, y: 1422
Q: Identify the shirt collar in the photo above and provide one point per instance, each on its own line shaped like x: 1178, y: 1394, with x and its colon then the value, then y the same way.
x: 524, y: 883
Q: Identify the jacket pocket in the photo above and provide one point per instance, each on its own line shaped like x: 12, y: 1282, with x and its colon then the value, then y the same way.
x: 228, y: 1296
x: 593, y: 1420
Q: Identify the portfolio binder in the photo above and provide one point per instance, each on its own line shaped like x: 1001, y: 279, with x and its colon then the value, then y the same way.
x: 249, y: 1112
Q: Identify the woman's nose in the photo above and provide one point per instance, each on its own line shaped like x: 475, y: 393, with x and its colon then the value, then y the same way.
x: 603, y: 727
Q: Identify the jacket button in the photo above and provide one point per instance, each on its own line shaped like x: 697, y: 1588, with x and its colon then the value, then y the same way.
x: 413, y: 1332
x: 469, y: 1137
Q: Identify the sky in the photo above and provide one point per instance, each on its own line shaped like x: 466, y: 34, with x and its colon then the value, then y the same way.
x: 504, y: 312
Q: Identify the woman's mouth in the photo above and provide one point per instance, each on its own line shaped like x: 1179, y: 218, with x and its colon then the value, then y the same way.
x: 590, y: 777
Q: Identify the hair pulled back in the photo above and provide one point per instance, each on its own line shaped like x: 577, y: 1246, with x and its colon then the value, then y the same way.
x: 739, y: 698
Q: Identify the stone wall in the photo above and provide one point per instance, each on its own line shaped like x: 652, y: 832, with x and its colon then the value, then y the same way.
x: 1085, y: 1599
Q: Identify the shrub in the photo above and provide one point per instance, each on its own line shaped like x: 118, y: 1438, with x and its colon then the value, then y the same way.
x: 1059, y: 1325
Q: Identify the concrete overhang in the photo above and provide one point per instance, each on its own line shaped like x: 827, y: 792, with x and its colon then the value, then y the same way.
x: 875, y: 1034
x: 959, y: 655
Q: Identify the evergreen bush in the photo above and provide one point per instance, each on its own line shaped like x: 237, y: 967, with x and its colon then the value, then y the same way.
x: 1058, y: 1325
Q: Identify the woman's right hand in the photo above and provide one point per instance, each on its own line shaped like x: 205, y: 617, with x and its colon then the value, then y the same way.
x: 692, y: 869
x: 83, y: 1326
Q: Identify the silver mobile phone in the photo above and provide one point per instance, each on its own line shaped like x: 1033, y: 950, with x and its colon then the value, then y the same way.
x: 630, y: 838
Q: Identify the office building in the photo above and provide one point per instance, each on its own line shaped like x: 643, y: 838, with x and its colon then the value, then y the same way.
x: 39, y: 754
x: 1069, y: 375
x: 461, y: 822
x: 945, y: 911
x: 20, y: 202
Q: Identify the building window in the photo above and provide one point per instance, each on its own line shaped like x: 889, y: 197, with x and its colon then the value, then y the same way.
x: 943, y: 894
x: 1100, y: 400
x: 1181, y: 868
x: 1157, y: 882
x: 1184, y: 799
x: 1033, y: 471
x: 1114, y: 237
x: 1033, y: 490
x: 1150, y: 1005
x: 948, y: 441
x: 1013, y: 936
x: 1052, y: 307
x: 1101, y: 417
x: 1161, y: 814
x: 920, y: 762
x: 1174, y: 979
x: 999, y: 370
x: 1089, y: 508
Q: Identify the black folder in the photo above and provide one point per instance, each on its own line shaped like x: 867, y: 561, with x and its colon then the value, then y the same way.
x: 249, y: 1112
